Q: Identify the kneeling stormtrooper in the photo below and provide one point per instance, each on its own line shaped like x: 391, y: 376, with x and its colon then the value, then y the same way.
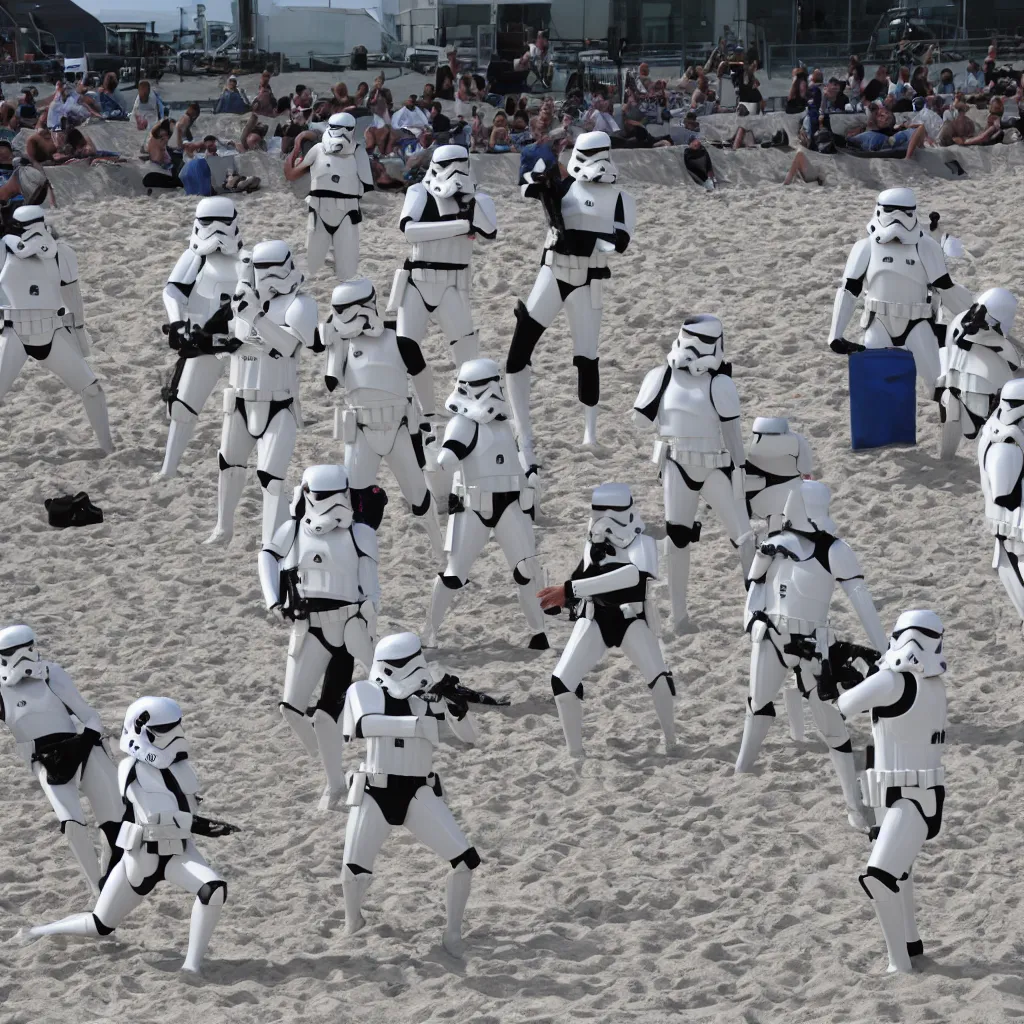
x: 43, y: 315
x: 161, y: 794
x: 378, y: 421
x: 320, y: 570
x: 693, y: 405
x: 398, y: 716
x: 905, y: 787
x: 40, y: 705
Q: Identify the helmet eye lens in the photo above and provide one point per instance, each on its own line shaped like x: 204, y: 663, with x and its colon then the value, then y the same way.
x: 1014, y: 403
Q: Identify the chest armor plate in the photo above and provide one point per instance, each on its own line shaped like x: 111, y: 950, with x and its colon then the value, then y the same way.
x: 687, y: 412
x: 32, y: 709
x: 802, y: 589
x: 335, y: 173
x: 590, y: 206
x: 375, y: 363
x: 896, y: 274
x: 328, y: 565
x: 214, y: 286
x: 914, y: 740
x: 494, y: 455
x: 30, y: 283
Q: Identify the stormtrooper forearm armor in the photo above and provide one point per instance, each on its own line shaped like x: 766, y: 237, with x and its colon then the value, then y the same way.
x: 70, y: 290
x: 622, y: 578
x: 179, y: 286
x: 850, y: 289
x: 883, y: 688
x: 857, y: 591
x: 485, y: 217
x: 365, y: 539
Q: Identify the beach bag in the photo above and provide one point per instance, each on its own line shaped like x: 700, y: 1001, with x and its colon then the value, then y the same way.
x: 883, y: 399
x: 196, y: 178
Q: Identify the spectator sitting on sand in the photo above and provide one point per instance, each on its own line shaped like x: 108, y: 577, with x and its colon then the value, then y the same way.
x: 41, y: 147
x: 254, y: 135
x: 68, y: 108
x: 884, y: 135
x: 232, y: 100
x: 147, y: 109
x: 111, y: 107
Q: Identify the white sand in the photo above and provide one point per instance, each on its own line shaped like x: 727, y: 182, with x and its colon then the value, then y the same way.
x: 637, y: 888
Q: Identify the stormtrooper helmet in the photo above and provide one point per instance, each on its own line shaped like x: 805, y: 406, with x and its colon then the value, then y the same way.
x: 613, y: 519
x: 215, y: 228
x: 34, y: 231
x: 1011, y: 402
x: 152, y: 732
x: 450, y: 173
x: 806, y: 509
x: 274, y: 270
x: 355, y: 309
x: 399, y: 666
x: 18, y: 656
x: 895, y: 217
x: 326, y: 503
x: 1000, y: 309
x: 478, y: 393
x: 916, y: 645
x: 699, y: 347
x: 340, y: 135
x: 773, y: 425
x: 591, y: 159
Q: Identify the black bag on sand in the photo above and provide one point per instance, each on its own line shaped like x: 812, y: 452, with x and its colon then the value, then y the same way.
x: 72, y: 510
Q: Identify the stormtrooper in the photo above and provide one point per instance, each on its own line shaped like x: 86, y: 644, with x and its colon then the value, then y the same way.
x: 161, y: 794
x: 320, y: 571
x: 43, y: 315
x: 273, y: 320
x: 197, y: 298
x: 608, y: 595
x: 442, y: 218
x: 589, y: 217
x: 377, y: 420
x: 339, y: 175
x: 1001, y: 461
x: 790, y: 587
x: 40, y: 705
x: 398, y: 715
x: 489, y: 494
x: 777, y: 460
x: 902, y: 272
x: 907, y: 701
x: 693, y: 405
x: 979, y: 357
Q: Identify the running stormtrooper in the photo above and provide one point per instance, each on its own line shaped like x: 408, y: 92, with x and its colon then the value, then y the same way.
x: 489, y: 495
x: 1001, y: 461
x: 902, y: 272
x: 608, y: 596
x: 377, y: 420
x: 443, y: 216
x: 907, y: 701
x: 42, y: 708
x: 161, y: 794
x: 320, y: 571
x: 273, y: 320
x: 589, y: 217
x: 339, y: 175
x: 787, y: 616
x: 777, y: 460
x: 396, y: 713
x: 693, y: 405
x: 43, y: 315
x: 979, y: 357
x: 197, y: 298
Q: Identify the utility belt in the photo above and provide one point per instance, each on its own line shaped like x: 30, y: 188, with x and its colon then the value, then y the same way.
x: 899, y: 310
x: 380, y: 414
x: 1007, y: 531
x: 480, y: 497
x: 33, y: 321
x: 253, y: 395
x: 162, y: 837
x: 562, y: 261
x: 686, y: 451
x: 358, y: 781
x: 794, y: 626
x: 630, y: 610
x: 914, y: 785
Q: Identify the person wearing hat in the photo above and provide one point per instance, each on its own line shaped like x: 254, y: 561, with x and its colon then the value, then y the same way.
x: 232, y: 99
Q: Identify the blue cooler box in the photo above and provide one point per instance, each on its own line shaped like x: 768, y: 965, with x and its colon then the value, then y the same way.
x: 883, y: 399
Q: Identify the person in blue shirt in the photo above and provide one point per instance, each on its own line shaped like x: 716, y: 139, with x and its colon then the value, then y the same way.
x: 232, y: 100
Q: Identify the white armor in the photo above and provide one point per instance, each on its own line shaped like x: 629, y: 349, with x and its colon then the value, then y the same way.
x: 979, y: 357
x: 489, y: 495
x: 199, y: 288
x: 608, y: 595
x: 339, y: 175
x: 376, y: 419
x: 901, y: 270
x: 273, y: 320
x: 789, y: 592
x: 41, y: 706
x: 693, y: 405
x: 396, y: 783
x: 320, y: 570
x: 777, y: 460
x: 905, y: 785
x: 161, y: 793
x: 442, y: 218
x: 589, y: 217
x: 43, y: 315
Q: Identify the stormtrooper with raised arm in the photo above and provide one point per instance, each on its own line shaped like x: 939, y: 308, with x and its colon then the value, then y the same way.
x: 43, y: 315
x: 901, y: 271
x: 693, y: 405
x: 339, y: 176
x: 789, y: 593
x: 42, y: 708
x: 396, y: 713
x: 161, y: 796
x: 197, y: 298
x: 777, y: 460
x: 320, y: 571
x: 608, y: 595
x: 273, y: 320
x: 443, y: 217
x: 489, y: 495
x: 589, y: 217
x: 979, y: 357
x: 376, y: 419
x: 905, y: 786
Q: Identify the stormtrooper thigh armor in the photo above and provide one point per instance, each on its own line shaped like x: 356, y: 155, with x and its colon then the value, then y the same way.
x: 334, y: 222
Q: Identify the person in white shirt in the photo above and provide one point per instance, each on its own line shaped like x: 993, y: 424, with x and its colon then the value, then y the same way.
x: 599, y: 118
x: 410, y: 118
x: 146, y: 110
x: 66, y: 106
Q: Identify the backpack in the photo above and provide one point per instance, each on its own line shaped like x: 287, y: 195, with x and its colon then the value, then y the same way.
x: 196, y: 179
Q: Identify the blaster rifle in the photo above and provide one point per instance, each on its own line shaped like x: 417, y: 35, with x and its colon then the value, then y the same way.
x: 459, y: 697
